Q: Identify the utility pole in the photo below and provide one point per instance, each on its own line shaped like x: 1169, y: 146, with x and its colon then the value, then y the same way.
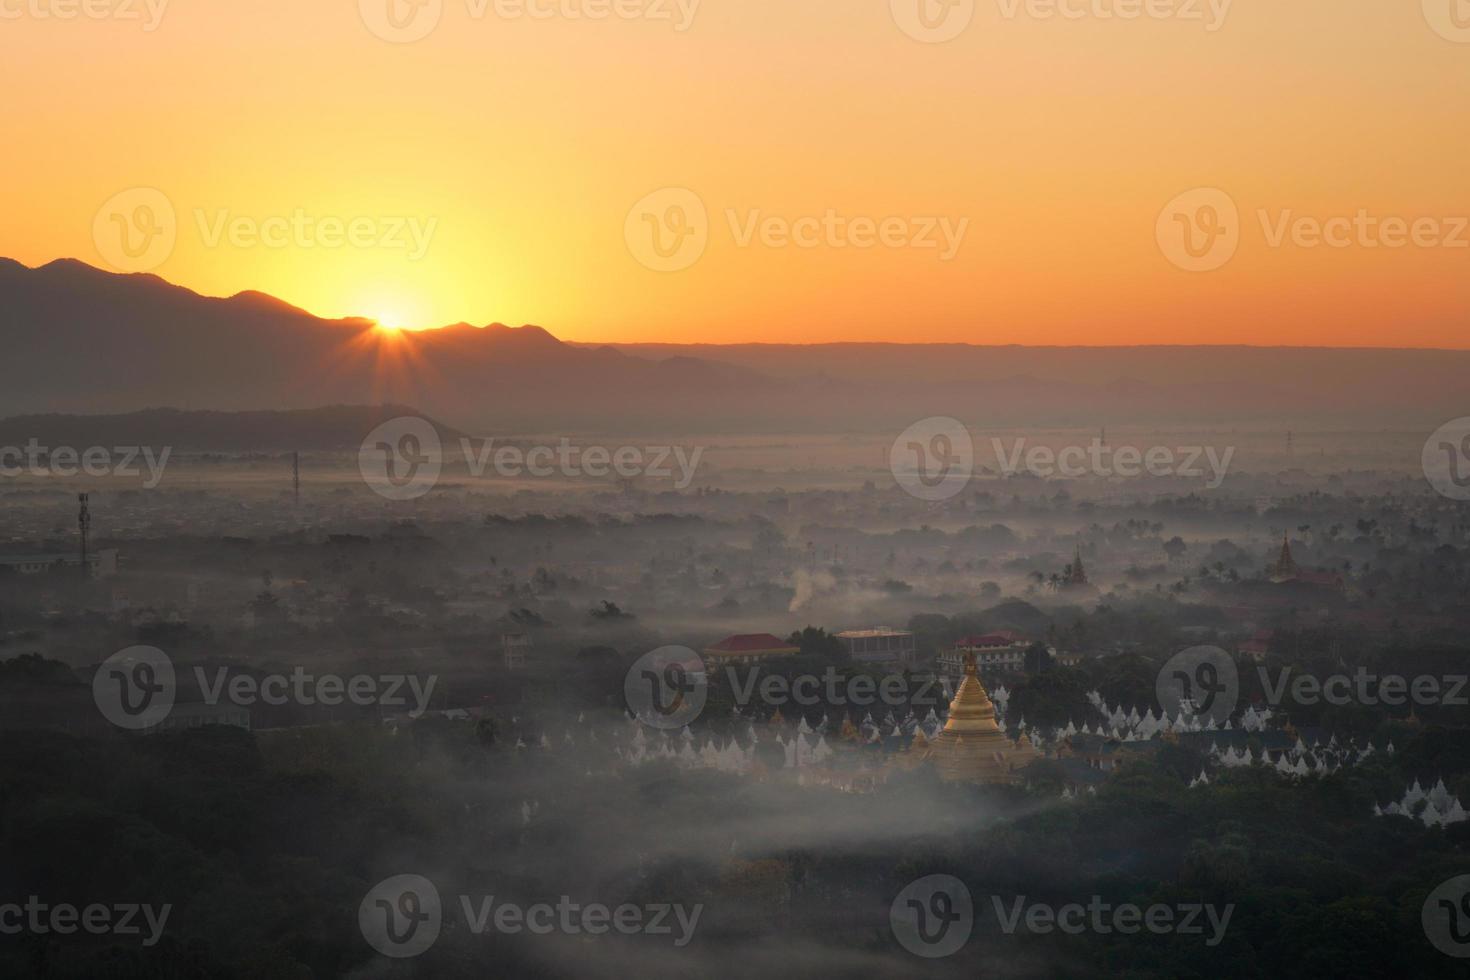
x: 84, y: 524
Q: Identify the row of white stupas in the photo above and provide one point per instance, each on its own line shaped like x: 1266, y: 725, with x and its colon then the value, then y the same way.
x: 1319, y: 759
x: 1440, y: 808
x: 1298, y: 762
x: 800, y: 750
x: 1147, y: 725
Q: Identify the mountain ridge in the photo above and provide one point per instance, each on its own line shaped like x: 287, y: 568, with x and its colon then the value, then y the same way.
x: 127, y: 342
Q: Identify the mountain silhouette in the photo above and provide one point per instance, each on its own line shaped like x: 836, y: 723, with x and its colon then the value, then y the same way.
x: 82, y: 340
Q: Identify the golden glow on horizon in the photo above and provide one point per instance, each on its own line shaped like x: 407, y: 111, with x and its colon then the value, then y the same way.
x: 487, y: 172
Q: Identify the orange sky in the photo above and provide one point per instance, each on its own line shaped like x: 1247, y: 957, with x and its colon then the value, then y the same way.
x: 519, y: 146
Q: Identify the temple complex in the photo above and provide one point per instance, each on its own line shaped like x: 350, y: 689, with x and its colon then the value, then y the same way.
x: 1284, y: 569
x: 972, y: 747
x: 1074, y: 576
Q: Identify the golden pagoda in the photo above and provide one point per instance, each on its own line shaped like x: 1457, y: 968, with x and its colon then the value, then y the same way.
x: 972, y: 747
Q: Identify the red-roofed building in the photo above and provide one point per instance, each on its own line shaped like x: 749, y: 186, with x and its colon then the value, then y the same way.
x: 1258, y: 645
x: 748, y: 648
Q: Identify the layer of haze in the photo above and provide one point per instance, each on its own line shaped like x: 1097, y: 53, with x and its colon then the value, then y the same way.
x: 530, y: 139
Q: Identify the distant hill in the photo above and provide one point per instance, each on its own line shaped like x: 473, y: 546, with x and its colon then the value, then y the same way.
x: 78, y: 339
x: 337, y: 427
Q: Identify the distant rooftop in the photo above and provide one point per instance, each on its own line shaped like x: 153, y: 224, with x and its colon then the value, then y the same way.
x: 750, y: 643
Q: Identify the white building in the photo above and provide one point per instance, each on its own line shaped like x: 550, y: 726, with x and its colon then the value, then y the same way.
x: 880, y: 645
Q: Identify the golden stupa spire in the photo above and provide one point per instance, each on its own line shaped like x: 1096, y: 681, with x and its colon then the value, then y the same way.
x: 972, y: 746
x: 971, y: 710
